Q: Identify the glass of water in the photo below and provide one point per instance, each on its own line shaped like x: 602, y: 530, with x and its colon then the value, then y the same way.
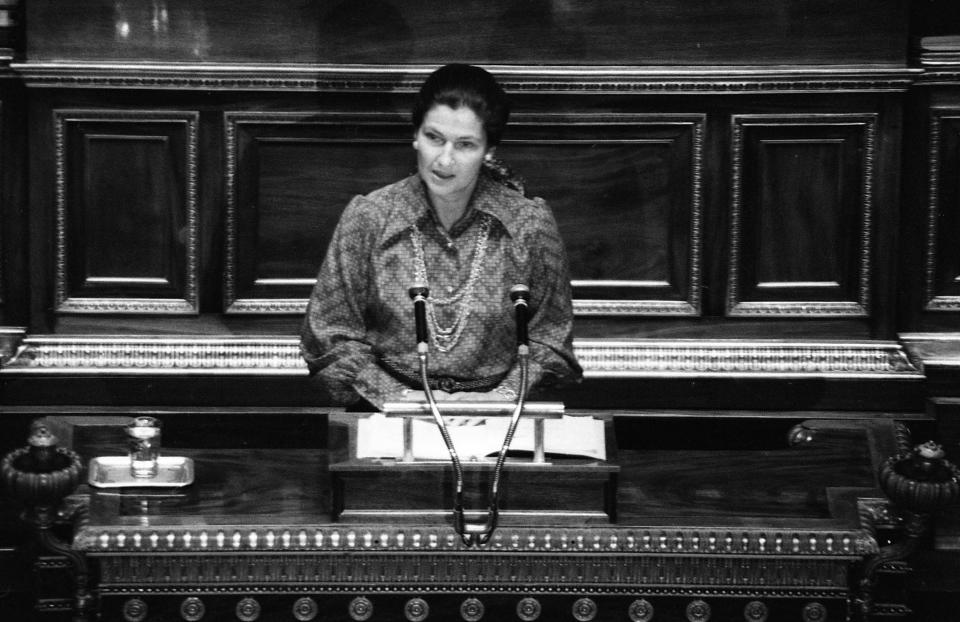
x: 143, y: 443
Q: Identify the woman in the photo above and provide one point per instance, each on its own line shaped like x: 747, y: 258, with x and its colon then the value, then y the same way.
x: 460, y: 227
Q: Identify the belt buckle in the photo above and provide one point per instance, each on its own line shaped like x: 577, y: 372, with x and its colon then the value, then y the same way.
x: 447, y: 384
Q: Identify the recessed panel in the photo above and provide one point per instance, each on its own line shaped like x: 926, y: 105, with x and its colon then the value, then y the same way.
x: 800, y: 230
x: 126, y: 237
x: 942, y: 244
x: 303, y: 186
x: 128, y: 220
x: 625, y: 192
x: 626, y: 195
x: 801, y: 223
x: 289, y: 177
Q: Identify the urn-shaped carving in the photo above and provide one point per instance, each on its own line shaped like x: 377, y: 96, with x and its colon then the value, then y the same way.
x: 41, y: 474
x: 921, y: 480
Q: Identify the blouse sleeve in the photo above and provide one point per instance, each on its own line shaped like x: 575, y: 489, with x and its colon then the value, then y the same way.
x: 550, y: 327
x: 333, y: 335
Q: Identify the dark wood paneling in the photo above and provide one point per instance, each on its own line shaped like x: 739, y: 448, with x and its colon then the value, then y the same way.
x: 13, y: 225
x: 802, y: 208
x: 289, y: 176
x: 126, y: 232
x: 614, y: 32
x: 942, y: 227
x: 626, y: 192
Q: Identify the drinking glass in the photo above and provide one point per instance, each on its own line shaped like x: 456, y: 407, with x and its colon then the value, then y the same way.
x: 143, y: 444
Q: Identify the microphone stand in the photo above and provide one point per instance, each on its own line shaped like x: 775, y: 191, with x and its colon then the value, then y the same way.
x: 419, y: 293
x: 458, y: 518
x: 472, y: 534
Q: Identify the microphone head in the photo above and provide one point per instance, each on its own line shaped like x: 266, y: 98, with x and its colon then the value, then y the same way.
x: 419, y: 289
x: 519, y: 292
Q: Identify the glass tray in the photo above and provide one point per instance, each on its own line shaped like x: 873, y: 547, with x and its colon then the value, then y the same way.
x: 114, y: 472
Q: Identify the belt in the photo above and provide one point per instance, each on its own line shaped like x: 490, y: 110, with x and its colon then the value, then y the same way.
x: 448, y: 384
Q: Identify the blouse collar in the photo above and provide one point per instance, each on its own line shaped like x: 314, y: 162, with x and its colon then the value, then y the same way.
x: 489, y: 197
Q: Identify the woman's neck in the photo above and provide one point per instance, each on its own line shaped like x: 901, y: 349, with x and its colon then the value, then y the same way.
x: 449, y: 214
x: 450, y: 209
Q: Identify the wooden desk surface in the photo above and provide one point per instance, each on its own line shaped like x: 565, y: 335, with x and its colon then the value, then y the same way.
x: 767, y: 530
x: 811, y: 486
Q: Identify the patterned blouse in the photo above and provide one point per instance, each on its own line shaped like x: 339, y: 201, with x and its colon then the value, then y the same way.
x: 358, y: 337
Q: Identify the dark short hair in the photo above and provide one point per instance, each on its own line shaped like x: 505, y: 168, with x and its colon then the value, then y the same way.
x: 459, y: 85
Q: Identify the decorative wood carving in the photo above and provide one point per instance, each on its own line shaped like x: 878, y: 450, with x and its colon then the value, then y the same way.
x: 601, y: 358
x: 574, y: 79
x: 288, y: 177
x: 941, y: 291
x: 657, y: 184
x: 627, y: 192
x: 163, y: 247
x: 801, y: 221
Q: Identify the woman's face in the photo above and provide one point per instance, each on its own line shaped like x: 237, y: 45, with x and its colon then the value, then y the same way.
x: 450, y: 144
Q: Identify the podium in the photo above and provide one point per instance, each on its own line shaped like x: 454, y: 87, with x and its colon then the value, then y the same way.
x: 416, y: 482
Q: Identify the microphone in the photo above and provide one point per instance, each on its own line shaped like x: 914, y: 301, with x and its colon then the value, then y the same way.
x: 520, y: 295
x: 418, y: 293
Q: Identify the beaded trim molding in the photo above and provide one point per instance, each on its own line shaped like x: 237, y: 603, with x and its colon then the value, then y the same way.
x: 548, y: 79
x: 600, y: 358
x: 659, y: 540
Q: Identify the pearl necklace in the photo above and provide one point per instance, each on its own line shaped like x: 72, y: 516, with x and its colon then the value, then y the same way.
x: 444, y: 338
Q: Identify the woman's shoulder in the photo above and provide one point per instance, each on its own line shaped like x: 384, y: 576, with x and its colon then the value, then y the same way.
x: 515, y: 198
x: 389, y: 193
x: 530, y: 211
x: 378, y: 204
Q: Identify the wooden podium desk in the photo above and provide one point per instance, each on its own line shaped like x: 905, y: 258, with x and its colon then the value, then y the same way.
x: 773, y: 533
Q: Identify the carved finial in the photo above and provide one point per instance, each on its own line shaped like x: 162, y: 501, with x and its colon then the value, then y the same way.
x: 40, y: 434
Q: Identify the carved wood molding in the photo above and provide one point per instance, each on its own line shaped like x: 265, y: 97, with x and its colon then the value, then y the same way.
x: 233, y: 124
x: 600, y: 358
x: 691, y: 305
x: 933, y: 349
x: 767, y: 542
x: 939, y: 76
x: 515, y: 78
x: 240, y: 298
x: 65, y: 303
x: 161, y: 355
x: 859, y: 307
x: 557, y: 574
x: 603, y: 358
x: 935, y: 300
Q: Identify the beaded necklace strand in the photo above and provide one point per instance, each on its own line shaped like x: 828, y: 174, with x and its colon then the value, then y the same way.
x: 444, y: 338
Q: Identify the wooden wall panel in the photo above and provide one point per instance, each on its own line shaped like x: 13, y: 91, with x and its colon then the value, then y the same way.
x: 801, y: 229
x: 626, y: 192
x: 646, y: 188
x: 14, y: 266
x: 288, y: 178
x: 126, y: 214
x: 941, y: 279
x: 5, y: 221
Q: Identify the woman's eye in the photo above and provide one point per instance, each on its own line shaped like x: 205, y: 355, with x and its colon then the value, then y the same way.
x: 466, y: 145
x: 434, y: 138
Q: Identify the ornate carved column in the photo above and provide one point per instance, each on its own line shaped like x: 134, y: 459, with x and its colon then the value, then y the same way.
x: 41, y: 475
x: 919, y: 481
